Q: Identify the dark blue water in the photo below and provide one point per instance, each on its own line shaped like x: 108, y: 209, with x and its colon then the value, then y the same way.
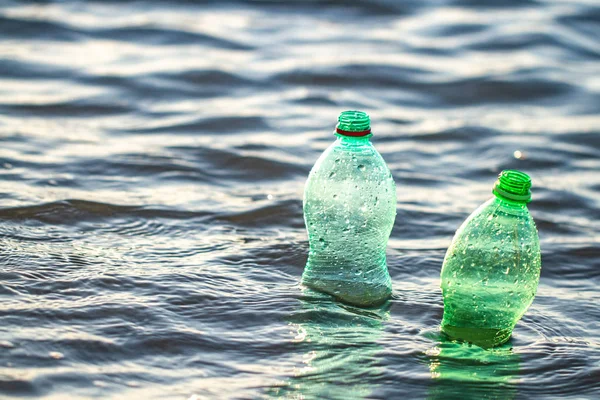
x: 152, y: 162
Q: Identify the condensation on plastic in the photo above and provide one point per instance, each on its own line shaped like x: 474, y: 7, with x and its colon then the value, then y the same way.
x: 490, y: 273
x: 349, y: 210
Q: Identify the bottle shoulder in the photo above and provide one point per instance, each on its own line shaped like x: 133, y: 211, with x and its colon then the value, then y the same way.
x: 343, y: 181
x: 496, y: 224
x: 496, y: 212
x: 350, y: 161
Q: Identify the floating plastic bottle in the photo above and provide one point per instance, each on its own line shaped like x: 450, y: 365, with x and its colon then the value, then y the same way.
x: 492, y: 268
x: 349, y: 210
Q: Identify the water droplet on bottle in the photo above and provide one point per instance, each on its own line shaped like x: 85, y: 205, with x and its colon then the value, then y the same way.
x: 332, y: 174
x: 335, y: 196
x: 361, y: 167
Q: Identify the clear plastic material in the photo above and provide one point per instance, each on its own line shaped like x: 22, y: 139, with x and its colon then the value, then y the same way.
x: 492, y: 268
x: 349, y: 210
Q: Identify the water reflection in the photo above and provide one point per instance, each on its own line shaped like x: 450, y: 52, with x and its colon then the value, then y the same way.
x: 339, y: 347
x: 462, y: 370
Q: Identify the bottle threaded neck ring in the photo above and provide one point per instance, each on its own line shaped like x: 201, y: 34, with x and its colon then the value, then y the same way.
x: 513, y: 185
x: 353, y: 123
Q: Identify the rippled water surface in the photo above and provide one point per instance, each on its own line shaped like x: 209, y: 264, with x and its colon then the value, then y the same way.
x: 152, y: 162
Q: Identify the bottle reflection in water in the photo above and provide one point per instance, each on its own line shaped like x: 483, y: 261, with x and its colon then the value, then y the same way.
x: 339, y: 350
x: 464, y: 371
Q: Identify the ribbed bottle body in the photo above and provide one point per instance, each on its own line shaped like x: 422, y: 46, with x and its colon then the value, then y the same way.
x: 349, y: 210
x: 490, y: 273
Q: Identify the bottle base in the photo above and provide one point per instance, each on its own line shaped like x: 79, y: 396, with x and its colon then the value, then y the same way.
x: 354, y: 293
x: 482, y: 337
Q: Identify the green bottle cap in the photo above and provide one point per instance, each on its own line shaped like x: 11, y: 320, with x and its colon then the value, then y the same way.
x: 353, y: 123
x: 513, y: 185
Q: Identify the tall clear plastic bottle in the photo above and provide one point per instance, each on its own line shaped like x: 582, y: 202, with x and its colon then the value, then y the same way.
x: 492, y: 268
x: 349, y: 210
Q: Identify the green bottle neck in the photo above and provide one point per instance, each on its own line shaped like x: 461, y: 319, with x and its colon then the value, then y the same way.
x: 353, y: 125
x: 513, y: 186
x: 353, y: 140
x: 510, y: 204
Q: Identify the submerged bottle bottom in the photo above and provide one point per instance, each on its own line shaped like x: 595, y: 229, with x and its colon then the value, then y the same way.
x: 359, y: 278
x: 482, y: 337
x: 363, y: 294
x: 485, y: 316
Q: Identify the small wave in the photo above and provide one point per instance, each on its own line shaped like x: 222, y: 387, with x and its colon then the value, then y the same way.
x: 69, y: 211
x: 154, y: 35
x: 230, y: 124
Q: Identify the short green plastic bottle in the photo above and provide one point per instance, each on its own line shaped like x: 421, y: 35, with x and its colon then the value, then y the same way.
x: 492, y: 268
x: 349, y: 210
